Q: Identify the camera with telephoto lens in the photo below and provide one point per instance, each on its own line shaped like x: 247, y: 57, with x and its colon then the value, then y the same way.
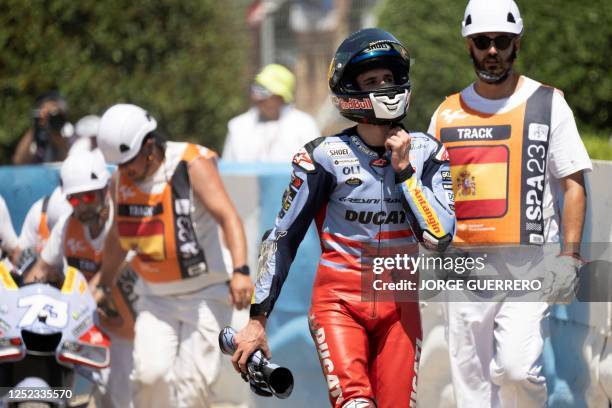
x: 56, y: 120
x: 266, y: 379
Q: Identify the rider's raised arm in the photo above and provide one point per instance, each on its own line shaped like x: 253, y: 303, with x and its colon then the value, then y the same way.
x: 427, y: 191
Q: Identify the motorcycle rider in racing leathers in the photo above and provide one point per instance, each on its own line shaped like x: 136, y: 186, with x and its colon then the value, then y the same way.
x: 373, y: 184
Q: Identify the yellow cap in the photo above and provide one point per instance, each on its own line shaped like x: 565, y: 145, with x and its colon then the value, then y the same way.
x: 278, y: 80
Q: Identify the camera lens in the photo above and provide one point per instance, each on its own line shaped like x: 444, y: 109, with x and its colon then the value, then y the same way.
x: 57, y: 120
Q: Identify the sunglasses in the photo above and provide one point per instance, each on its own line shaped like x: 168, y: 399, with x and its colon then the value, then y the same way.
x: 85, y: 198
x: 501, y: 42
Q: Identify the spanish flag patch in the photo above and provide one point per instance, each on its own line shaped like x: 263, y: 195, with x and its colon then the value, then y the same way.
x: 480, y: 181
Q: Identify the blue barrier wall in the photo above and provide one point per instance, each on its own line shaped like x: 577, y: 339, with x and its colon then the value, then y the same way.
x: 289, y: 338
x: 22, y: 186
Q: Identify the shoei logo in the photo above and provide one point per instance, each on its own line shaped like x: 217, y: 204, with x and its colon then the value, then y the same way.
x: 339, y: 152
x: 354, y: 104
x: 380, y: 46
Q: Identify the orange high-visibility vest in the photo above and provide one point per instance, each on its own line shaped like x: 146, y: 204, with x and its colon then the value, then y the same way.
x: 78, y: 250
x: 81, y: 255
x: 159, y: 227
x: 498, y: 168
x: 43, y: 226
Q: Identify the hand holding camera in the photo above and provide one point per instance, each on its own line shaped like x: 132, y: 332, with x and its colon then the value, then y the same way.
x: 266, y: 379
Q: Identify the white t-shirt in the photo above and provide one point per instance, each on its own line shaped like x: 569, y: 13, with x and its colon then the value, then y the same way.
x: 57, y: 207
x: 8, y: 239
x: 566, y: 152
x: 250, y: 139
x: 53, y: 252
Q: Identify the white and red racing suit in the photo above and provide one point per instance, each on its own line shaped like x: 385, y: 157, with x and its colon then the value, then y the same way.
x: 368, y: 349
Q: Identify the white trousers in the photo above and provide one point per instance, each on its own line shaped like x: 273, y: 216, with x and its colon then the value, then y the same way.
x: 176, y: 348
x: 116, y: 389
x: 230, y: 390
x: 495, y: 353
x: 598, y: 354
x: 434, y: 385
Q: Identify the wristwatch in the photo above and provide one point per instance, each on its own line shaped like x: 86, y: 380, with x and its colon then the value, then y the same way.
x: 244, y: 270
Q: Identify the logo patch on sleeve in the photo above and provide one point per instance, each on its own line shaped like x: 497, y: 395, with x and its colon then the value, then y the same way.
x: 442, y: 154
x: 296, y: 182
x: 354, y: 181
x: 303, y: 160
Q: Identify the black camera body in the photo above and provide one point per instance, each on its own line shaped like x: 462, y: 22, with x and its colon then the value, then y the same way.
x: 42, y: 133
x: 266, y: 379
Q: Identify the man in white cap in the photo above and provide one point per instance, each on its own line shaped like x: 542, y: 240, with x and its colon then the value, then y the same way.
x: 514, y: 152
x: 174, y: 213
x: 273, y: 130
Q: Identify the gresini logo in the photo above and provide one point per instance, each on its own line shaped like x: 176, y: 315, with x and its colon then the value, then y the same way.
x: 362, y: 147
x: 451, y: 115
x: 354, y: 104
x: 360, y: 200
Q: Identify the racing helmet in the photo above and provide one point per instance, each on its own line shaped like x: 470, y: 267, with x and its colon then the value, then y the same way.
x: 362, y: 51
x: 491, y: 16
x: 123, y: 127
x: 84, y: 171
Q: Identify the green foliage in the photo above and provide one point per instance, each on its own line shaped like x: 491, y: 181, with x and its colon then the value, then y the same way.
x: 183, y: 60
x: 566, y: 44
x: 598, y: 146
